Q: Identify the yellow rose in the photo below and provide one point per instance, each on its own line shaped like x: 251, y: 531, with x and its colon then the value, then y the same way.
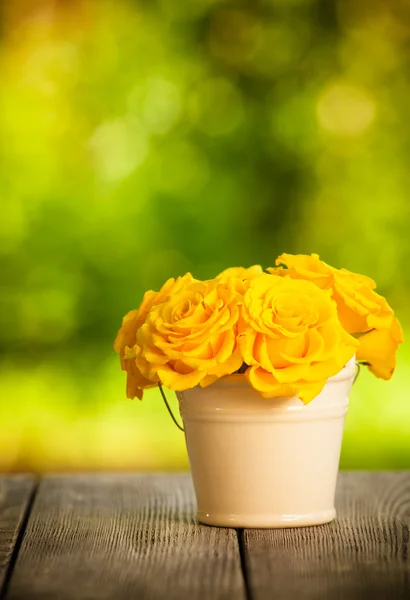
x: 240, y: 273
x: 127, y: 336
x: 378, y: 349
x: 191, y: 338
x: 240, y: 276
x: 291, y: 337
x: 361, y: 310
x: 301, y: 266
x: 123, y: 344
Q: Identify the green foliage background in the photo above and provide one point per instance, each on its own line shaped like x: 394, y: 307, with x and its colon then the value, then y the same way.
x: 144, y: 139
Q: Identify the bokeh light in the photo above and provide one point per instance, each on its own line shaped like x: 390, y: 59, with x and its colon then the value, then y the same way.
x: 344, y: 110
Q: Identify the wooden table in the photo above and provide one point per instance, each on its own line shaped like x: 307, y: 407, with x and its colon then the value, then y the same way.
x: 135, y: 536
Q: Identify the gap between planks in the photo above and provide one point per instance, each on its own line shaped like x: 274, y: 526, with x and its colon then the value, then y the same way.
x: 20, y: 536
x: 241, y: 545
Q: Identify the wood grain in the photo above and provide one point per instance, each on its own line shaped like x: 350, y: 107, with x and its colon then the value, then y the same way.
x: 123, y: 536
x: 15, y: 495
x: 364, y: 554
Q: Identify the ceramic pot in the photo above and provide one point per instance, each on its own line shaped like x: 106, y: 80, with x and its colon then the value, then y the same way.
x: 264, y: 463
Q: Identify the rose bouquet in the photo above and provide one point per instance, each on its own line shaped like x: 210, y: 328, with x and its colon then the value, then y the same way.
x: 286, y: 331
x: 262, y: 364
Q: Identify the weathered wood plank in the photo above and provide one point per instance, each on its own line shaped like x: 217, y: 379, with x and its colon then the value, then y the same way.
x: 364, y: 554
x: 123, y: 536
x: 15, y: 495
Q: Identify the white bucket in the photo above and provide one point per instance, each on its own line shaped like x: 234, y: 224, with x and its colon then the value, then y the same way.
x: 264, y: 463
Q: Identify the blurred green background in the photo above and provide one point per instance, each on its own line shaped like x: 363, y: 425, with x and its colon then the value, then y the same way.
x: 141, y: 140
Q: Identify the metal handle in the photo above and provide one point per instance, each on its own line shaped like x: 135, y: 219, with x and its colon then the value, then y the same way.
x: 357, y: 372
x: 169, y: 408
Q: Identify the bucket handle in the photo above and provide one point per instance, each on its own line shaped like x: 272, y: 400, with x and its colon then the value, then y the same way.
x: 357, y: 367
x: 169, y: 408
